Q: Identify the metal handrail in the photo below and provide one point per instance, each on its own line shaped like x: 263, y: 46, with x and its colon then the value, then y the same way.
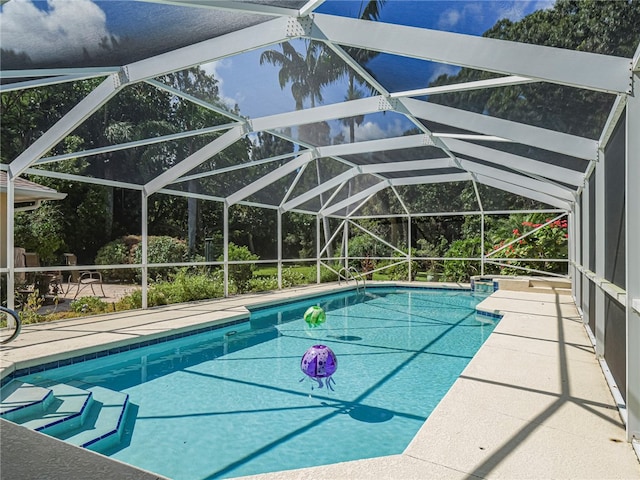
x: 351, y: 271
x: 17, y: 323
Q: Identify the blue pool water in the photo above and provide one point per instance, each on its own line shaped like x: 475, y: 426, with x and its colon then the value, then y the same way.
x: 229, y: 402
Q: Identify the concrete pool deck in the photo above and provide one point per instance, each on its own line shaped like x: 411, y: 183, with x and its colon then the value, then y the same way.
x: 533, y: 403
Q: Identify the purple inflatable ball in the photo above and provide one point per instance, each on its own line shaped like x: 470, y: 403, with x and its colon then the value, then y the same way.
x: 318, y: 363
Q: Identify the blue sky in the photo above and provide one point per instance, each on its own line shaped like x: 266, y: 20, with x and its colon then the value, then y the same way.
x: 47, y: 29
x: 459, y: 16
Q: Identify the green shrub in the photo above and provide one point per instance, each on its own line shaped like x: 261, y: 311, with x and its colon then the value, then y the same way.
x: 162, y: 249
x: 186, y: 287
x: 462, y: 270
x: 127, y: 250
x: 401, y: 271
x: 263, y: 284
x: 327, y: 275
x: 547, y: 242
x: 29, y: 312
x: 41, y: 231
x: 89, y: 305
x: 362, y: 246
x: 240, y: 275
x: 116, y: 252
x: 291, y: 277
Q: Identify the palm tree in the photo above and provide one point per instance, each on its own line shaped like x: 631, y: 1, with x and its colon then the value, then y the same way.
x: 369, y: 11
x: 310, y: 73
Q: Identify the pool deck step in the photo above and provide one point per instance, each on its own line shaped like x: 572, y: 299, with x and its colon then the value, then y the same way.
x: 104, y: 423
x: 68, y: 411
x: 20, y: 401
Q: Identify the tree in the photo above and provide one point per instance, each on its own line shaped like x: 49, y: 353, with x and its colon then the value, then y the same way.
x: 307, y: 74
x: 586, y: 25
x: 368, y: 11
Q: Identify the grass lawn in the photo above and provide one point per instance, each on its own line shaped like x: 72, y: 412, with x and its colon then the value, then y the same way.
x: 309, y: 271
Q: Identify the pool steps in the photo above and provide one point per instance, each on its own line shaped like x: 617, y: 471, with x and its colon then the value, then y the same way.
x: 106, y: 420
x: 93, y: 418
x: 19, y: 400
x: 69, y: 410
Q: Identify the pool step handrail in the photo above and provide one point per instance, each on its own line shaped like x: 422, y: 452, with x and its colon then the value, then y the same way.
x: 14, y: 323
x: 352, y: 272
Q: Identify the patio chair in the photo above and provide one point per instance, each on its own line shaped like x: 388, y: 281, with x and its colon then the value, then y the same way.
x: 44, y: 282
x: 80, y: 279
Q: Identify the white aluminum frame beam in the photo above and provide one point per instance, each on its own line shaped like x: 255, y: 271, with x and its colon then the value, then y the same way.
x: 82, y: 179
x: 375, y: 237
x: 516, y: 179
x: 407, y: 166
x: 269, y: 178
x: 426, y: 164
x: 364, y: 194
x: 444, y: 178
x: 556, y: 65
x: 600, y: 252
x: 323, y: 187
x: 525, y: 192
x: 586, y: 242
x: 137, y: 143
x: 309, y: 7
x: 520, y: 133
x: 351, y: 108
x: 465, y: 86
x: 369, y: 192
x: 195, y: 100
x: 53, y: 72
x: 239, y: 166
x: 369, y: 146
x: 45, y: 82
x: 195, y: 159
x: 78, y: 114
x: 262, y: 35
x: 632, y: 281
x: 516, y: 162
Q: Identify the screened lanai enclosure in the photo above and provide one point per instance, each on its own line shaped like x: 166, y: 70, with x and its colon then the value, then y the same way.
x: 331, y: 135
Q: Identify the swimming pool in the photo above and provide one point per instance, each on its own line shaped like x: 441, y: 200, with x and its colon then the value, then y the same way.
x: 228, y: 402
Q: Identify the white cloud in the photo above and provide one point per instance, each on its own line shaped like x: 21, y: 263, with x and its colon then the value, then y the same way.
x: 449, y: 18
x: 489, y: 11
x: 517, y: 10
x: 55, y: 33
x: 545, y: 4
x: 513, y: 11
x: 375, y: 130
x: 215, y: 69
x: 443, y: 69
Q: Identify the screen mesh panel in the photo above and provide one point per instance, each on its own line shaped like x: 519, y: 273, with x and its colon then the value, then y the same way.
x: 615, y: 341
x: 439, y: 197
x: 614, y: 207
x: 592, y: 307
x: 592, y: 223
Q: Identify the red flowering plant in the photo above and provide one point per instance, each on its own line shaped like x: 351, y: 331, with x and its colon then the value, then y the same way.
x: 533, y: 241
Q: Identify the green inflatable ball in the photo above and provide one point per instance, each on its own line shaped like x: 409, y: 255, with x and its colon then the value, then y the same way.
x: 315, y: 316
